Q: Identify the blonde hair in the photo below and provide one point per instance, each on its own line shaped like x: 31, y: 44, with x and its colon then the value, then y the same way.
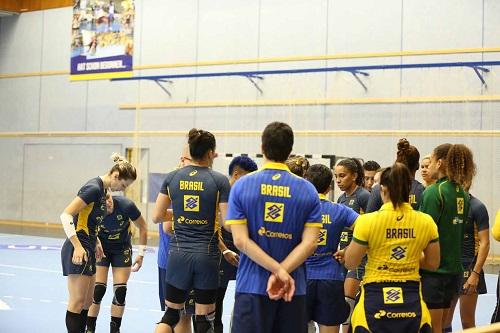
x: 123, y: 167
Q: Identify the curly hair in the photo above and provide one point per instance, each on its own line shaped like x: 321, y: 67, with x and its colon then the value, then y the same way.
x: 460, y: 166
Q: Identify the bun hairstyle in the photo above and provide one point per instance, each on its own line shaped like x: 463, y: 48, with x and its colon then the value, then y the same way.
x: 353, y: 165
x: 397, y: 180
x: 408, y: 155
x: 123, y: 167
x: 200, y: 142
x: 298, y: 165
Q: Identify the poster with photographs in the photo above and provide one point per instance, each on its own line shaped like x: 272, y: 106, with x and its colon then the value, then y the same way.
x: 102, y: 41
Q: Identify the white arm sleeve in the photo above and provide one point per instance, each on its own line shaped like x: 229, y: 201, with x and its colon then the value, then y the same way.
x: 69, y: 227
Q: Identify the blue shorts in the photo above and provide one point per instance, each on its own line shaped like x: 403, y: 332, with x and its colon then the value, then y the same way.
x: 117, y: 257
x: 468, y: 267
x: 227, y: 273
x: 187, y: 271
x: 326, y: 304
x: 86, y: 268
x: 391, y: 307
x: 258, y: 314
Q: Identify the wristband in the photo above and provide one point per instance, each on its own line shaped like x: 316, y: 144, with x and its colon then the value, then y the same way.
x: 142, y: 250
x: 473, y: 271
x: 226, y: 252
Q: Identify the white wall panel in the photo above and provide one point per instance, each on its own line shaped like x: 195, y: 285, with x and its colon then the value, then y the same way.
x: 21, y: 43
x: 63, y: 104
x: 19, y: 104
x: 293, y: 27
x: 169, y: 31
x: 56, y: 39
x: 11, y: 179
x: 431, y: 25
x: 357, y: 26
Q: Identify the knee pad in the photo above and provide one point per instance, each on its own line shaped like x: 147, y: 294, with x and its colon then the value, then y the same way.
x: 205, y: 323
x: 171, y: 317
x: 99, y: 291
x: 350, y: 302
x: 120, y: 294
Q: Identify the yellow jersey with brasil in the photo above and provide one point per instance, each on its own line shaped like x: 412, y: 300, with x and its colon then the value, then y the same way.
x: 395, y: 239
x: 275, y: 205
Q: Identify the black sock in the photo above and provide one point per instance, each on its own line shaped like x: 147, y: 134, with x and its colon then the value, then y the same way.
x: 117, y: 321
x: 91, y: 322
x: 73, y: 323
x: 447, y: 329
x: 83, y: 320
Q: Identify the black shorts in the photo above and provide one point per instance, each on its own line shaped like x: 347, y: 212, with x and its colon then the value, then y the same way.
x: 117, y: 257
x: 391, y: 307
x: 258, y: 314
x: 439, y: 289
x: 227, y: 273
x: 188, y: 271
x: 481, y: 286
x: 86, y: 268
x: 326, y: 304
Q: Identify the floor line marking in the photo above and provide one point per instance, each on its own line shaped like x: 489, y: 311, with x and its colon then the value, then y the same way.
x: 4, y: 306
x: 31, y: 268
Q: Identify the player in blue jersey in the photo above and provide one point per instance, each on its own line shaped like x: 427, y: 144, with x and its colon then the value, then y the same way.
x: 275, y: 218
x: 196, y: 192
x: 82, y: 248
x: 239, y: 167
x: 349, y: 175
x: 325, y: 275
x: 116, y: 239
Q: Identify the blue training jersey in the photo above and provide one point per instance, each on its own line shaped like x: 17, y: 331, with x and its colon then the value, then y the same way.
x: 335, y: 217
x: 163, y: 244
x: 275, y: 205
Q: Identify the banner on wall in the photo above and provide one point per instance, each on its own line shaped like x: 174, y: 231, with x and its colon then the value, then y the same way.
x: 102, y: 41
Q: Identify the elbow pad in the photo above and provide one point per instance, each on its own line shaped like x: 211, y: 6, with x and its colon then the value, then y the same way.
x: 68, y: 225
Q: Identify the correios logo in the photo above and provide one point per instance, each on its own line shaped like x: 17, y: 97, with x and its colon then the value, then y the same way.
x: 273, y: 234
x: 394, y: 315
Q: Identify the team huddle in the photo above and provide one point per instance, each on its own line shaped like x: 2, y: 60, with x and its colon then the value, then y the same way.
x: 392, y: 255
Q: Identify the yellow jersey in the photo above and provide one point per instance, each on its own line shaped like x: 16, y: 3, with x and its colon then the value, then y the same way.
x: 395, y: 239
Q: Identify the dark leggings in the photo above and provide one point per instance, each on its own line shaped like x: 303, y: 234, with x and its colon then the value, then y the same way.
x: 495, y: 318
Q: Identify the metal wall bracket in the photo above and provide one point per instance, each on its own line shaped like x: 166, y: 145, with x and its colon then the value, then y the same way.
x: 355, y: 73
x: 159, y: 83
x: 252, y: 78
x: 479, y: 71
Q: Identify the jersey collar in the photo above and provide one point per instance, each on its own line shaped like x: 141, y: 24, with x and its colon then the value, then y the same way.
x: 322, y: 196
x: 389, y: 206
x: 275, y: 165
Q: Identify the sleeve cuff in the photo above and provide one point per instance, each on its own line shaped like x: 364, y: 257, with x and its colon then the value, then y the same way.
x: 434, y: 240
x: 359, y: 241
x: 314, y: 224
x: 231, y: 222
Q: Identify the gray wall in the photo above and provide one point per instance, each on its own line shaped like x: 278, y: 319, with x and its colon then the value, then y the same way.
x: 36, y: 187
